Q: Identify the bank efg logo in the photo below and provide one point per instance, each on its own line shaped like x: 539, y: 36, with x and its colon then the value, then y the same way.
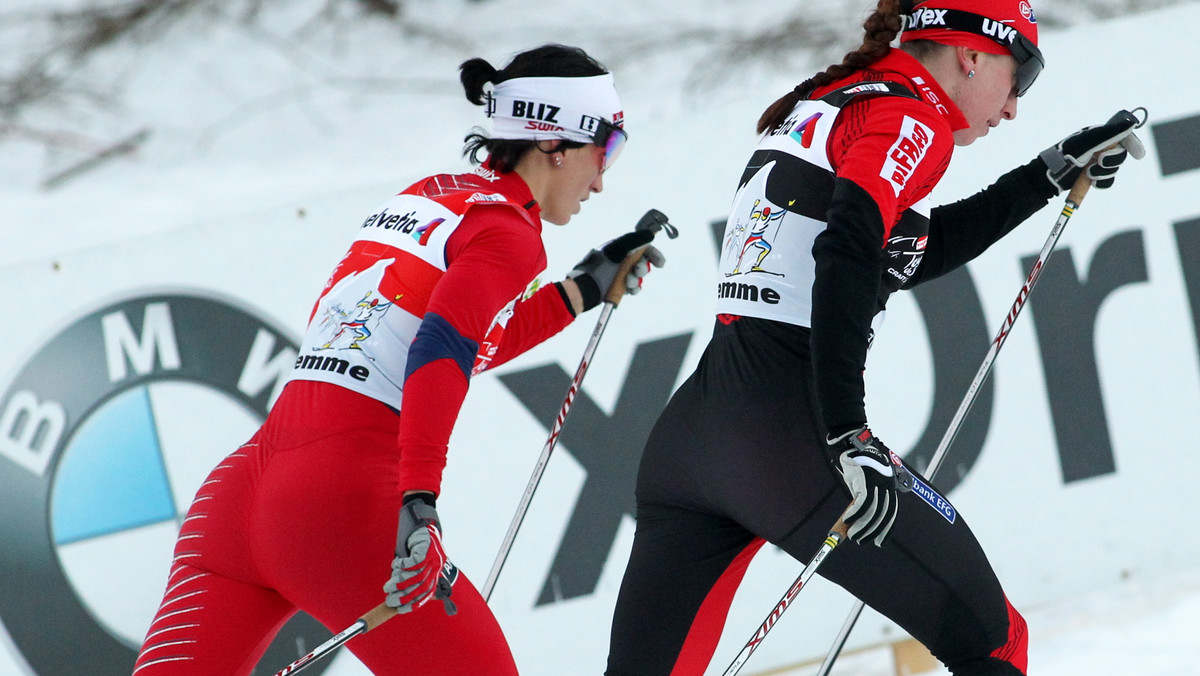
x: 105, y: 435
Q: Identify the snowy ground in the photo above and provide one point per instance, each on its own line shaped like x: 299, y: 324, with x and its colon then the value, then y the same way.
x: 1135, y: 628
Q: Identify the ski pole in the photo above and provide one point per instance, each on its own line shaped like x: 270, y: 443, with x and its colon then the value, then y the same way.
x: 835, y: 537
x: 1074, y: 198
x: 540, y: 467
x: 653, y: 220
x: 374, y: 617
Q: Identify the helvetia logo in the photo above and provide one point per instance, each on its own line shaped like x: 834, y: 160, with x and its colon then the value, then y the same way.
x: 105, y: 435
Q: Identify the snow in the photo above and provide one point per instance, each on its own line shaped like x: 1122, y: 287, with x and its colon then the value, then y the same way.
x: 1142, y: 627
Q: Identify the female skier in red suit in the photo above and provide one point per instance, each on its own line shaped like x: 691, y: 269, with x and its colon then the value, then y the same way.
x: 343, y: 476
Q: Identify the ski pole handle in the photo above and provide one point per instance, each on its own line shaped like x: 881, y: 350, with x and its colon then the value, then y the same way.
x: 841, y: 529
x: 1132, y: 144
x: 655, y: 220
x: 1080, y: 189
x: 377, y: 616
x: 617, y: 292
x: 652, y: 221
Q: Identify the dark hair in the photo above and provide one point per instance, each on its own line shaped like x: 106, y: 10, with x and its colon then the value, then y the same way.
x: 881, y: 28
x: 546, y: 61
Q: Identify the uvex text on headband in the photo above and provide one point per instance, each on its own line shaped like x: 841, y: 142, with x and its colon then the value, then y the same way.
x: 581, y: 109
x: 1027, y: 55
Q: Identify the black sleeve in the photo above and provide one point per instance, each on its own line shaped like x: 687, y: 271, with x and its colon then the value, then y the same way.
x: 960, y: 231
x: 845, y: 296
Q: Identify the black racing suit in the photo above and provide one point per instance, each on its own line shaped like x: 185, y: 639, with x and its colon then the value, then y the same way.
x: 738, y: 458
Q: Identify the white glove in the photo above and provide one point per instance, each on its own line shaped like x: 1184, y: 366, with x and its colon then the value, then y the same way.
x: 875, y: 476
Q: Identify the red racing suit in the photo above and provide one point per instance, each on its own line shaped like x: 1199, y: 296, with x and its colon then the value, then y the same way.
x: 304, y: 515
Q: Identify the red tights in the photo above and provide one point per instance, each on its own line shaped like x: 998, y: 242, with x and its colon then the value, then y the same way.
x: 303, y: 517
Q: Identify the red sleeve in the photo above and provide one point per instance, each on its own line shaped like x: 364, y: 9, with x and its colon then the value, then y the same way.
x: 896, y: 149
x: 492, y: 257
x: 535, y: 319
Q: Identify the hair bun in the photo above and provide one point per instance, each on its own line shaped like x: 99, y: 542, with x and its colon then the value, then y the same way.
x: 474, y: 74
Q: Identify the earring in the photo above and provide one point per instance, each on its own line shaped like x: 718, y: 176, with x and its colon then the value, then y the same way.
x: 971, y: 74
x: 558, y: 160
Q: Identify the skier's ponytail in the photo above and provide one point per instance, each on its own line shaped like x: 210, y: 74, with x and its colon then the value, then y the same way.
x: 881, y: 28
x: 474, y: 74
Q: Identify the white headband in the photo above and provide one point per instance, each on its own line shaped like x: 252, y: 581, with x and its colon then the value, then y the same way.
x: 537, y: 108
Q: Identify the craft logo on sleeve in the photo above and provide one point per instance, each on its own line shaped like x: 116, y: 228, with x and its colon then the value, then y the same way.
x: 106, y: 432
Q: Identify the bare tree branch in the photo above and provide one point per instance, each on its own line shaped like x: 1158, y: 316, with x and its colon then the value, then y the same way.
x: 51, y: 58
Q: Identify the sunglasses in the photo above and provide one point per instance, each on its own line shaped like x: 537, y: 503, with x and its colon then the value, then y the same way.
x: 1029, y: 62
x: 1027, y: 55
x: 612, y: 138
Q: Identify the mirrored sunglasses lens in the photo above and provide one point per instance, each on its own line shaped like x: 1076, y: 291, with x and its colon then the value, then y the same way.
x: 613, y: 146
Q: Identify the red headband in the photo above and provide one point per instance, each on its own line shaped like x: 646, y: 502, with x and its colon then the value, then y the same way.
x: 924, y: 23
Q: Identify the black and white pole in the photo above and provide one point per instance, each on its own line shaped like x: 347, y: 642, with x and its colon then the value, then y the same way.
x: 653, y: 220
x: 835, y: 537
x: 1072, y: 203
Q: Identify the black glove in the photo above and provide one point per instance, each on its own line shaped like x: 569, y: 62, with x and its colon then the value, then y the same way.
x: 1067, y: 159
x: 628, y: 257
x: 420, y: 572
x: 875, y: 477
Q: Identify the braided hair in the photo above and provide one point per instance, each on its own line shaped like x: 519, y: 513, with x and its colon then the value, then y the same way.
x: 881, y: 28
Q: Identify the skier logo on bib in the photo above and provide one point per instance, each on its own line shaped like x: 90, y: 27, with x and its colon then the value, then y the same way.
x: 348, y: 328
x: 761, y: 219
